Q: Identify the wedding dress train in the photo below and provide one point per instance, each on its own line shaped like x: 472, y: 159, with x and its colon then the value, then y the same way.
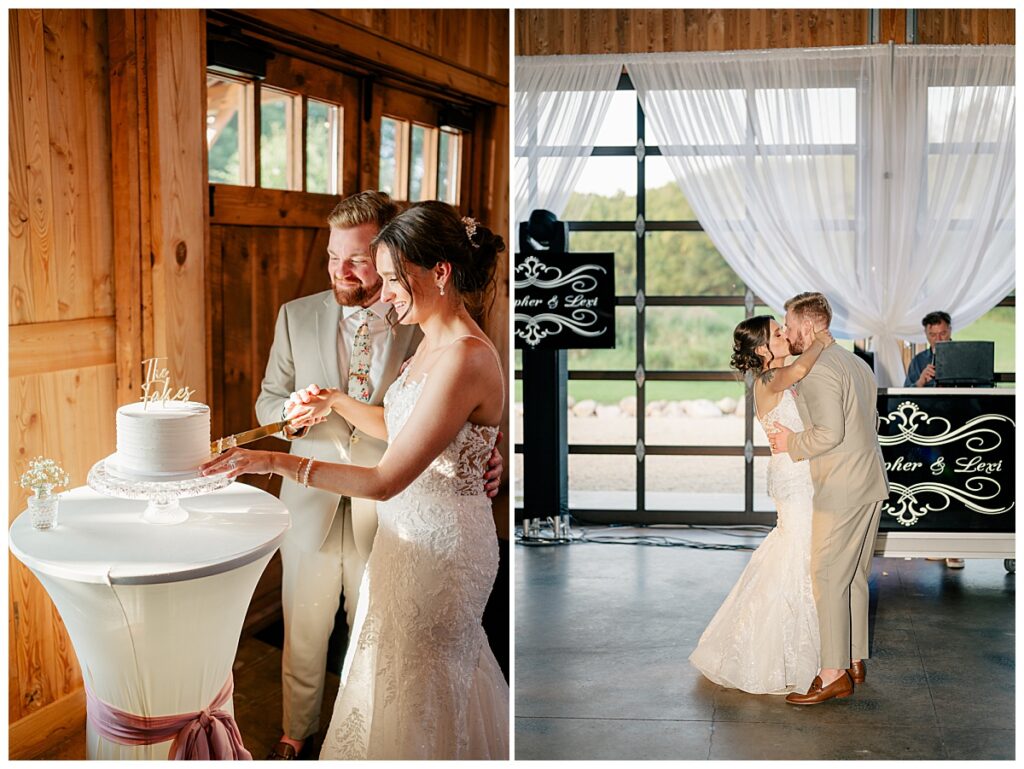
x: 419, y: 679
x: 764, y: 637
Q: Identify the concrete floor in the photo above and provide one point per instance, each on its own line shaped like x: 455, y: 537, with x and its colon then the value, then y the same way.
x: 603, y: 633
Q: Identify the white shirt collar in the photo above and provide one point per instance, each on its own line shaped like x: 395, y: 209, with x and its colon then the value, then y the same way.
x: 378, y: 308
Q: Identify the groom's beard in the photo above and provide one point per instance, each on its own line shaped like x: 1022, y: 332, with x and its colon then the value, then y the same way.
x: 355, y: 296
x: 796, y: 346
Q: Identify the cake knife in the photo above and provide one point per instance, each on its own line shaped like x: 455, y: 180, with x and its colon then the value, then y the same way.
x: 231, y: 441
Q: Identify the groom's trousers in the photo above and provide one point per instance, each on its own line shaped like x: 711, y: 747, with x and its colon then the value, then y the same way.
x: 312, y: 584
x: 842, y: 544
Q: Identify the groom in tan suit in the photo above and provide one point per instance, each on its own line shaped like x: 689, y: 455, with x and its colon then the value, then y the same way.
x: 838, y: 405
x: 325, y: 550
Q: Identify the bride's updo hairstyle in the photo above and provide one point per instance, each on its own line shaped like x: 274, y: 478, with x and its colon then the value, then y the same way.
x: 431, y: 232
x: 746, y: 338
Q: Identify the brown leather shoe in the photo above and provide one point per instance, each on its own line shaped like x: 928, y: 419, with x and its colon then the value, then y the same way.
x: 841, y: 687
x: 857, y: 671
x: 283, y: 751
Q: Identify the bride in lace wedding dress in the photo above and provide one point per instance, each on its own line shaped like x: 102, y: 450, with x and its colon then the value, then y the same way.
x: 764, y: 637
x: 420, y: 680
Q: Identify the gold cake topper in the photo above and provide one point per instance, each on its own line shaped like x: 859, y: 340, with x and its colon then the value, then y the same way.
x: 157, y: 386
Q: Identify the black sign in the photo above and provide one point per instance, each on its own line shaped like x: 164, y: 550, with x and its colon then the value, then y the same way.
x: 950, y: 461
x: 564, y: 301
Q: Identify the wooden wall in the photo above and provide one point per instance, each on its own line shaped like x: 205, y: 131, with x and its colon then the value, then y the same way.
x: 106, y: 261
x: 558, y: 31
x: 61, y: 305
x: 476, y: 40
x: 970, y: 26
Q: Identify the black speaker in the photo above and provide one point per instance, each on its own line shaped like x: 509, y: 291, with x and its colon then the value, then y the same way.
x: 543, y: 232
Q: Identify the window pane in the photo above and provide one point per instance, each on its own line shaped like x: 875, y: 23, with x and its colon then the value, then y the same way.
x: 831, y: 115
x: 665, y: 200
x: 622, y: 244
x: 323, y: 128
x: 996, y: 325
x: 953, y: 112
x: 448, y: 153
x: 687, y: 263
x: 831, y: 180
x: 620, y: 358
x: 961, y: 182
x: 602, y: 412
x: 619, y: 126
x: 690, y: 338
x: 693, y: 128
x: 389, y: 138
x: 606, y: 190
x: 276, y: 150
x: 225, y: 106
x: 602, y: 482
x: 695, y: 414
x: 695, y: 483
x: 417, y: 162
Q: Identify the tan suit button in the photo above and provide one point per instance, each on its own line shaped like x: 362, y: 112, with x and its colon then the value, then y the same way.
x: 355, y: 439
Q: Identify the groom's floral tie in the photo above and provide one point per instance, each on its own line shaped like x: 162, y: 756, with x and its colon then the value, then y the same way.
x: 359, y: 361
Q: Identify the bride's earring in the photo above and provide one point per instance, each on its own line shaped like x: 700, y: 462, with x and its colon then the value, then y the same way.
x: 441, y: 287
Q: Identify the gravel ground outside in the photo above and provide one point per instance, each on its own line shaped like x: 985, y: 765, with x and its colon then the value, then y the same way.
x: 685, y: 477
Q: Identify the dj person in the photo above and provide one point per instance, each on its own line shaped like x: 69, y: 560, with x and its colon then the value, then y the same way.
x: 938, y: 328
x: 921, y: 373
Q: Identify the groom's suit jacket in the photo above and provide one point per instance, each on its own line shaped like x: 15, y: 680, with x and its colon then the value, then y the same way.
x: 838, y: 405
x: 304, y: 352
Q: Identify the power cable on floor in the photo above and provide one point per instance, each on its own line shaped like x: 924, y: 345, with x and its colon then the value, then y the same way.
x: 541, y: 537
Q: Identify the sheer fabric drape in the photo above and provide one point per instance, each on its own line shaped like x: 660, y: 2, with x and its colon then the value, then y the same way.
x: 881, y: 176
x: 560, y: 104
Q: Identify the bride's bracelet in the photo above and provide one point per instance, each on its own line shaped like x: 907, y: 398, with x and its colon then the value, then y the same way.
x: 309, y: 469
x: 298, y: 470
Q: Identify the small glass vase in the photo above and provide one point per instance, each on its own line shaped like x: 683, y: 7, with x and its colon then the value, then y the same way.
x: 42, y: 509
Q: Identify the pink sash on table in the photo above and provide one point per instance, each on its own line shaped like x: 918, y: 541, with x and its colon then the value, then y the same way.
x: 208, y: 734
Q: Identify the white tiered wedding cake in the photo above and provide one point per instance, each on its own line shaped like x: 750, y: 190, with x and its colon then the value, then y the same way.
x: 163, y: 438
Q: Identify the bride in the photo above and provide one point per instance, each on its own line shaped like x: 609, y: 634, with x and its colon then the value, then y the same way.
x: 419, y: 679
x: 764, y: 637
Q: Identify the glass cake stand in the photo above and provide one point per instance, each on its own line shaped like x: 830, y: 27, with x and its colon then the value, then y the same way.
x: 162, y: 491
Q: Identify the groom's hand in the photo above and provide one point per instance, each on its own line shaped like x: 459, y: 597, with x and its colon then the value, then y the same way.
x: 779, y: 440
x: 496, y: 466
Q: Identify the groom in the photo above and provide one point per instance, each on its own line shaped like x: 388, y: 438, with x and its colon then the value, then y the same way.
x: 837, y: 404
x: 339, y: 338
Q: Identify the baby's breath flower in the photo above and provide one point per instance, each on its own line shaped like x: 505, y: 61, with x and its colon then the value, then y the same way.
x: 43, y: 474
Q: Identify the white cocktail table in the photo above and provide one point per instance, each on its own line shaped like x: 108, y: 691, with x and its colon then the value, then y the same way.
x: 154, y: 612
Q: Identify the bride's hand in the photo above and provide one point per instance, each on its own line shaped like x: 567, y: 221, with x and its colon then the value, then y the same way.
x: 824, y: 336
x: 311, y: 406
x: 235, y: 462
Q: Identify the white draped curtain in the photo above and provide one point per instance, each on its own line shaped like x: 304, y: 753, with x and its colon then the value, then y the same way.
x: 560, y: 104
x: 881, y: 176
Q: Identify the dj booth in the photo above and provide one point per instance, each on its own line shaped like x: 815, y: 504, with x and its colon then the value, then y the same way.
x: 950, y: 458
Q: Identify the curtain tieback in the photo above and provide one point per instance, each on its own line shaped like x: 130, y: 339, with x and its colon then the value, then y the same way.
x: 208, y: 734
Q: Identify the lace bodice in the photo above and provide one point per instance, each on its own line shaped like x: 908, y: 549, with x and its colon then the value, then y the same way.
x: 459, y: 469
x: 786, y: 478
